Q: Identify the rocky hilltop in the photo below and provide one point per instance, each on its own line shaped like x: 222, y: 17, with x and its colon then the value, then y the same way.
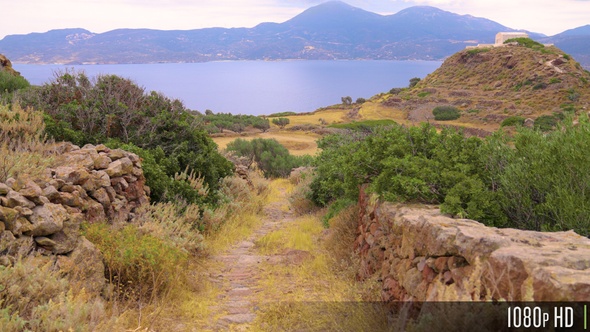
x: 6, y: 65
x: 489, y: 85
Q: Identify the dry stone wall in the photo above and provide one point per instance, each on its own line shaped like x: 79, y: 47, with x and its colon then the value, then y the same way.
x: 43, y: 215
x: 421, y: 255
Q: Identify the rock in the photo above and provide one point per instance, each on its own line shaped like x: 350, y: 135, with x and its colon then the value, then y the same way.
x: 51, y: 193
x: 101, y: 178
x: 8, y: 215
x: 15, y: 199
x: 117, y: 154
x: 31, y: 190
x: 45, y: 242
x: 4, y: 189
x: 10, y: 182
x: 70, y: 199
x: 529, y: 123
x: 65, y: 240
x: 84, y: 267
x: 72, y: 175
x: 120, y: 167
x: 47, y: 219
x: 95, y: 212
x: 119, y: 184
x: 102, y: 162
x: 102, y: 197
x: 101, y: 148
x: 84, y: 157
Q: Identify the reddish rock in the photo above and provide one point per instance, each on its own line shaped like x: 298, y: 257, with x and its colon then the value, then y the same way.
x: 440, y: 264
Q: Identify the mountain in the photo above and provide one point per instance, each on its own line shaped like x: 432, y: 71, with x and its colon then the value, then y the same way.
x: 574, y: 41
x: 332, y: 30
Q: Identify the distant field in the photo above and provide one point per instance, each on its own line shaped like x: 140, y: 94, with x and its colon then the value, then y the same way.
x: 298, y: 143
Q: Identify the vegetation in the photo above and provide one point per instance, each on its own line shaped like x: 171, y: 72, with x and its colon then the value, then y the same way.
x: 363, y: 125
x: 414, y: 81
x: 115, y: 110
x: 477, y: 50
x: 271, y: 157
x: 487, y: 180
x: 513, y: 121
x: 446, y: 113
x: 10, y: 83
x: 281, y: 122
x: 526, y: 42
x: 281, y: 114
x: 226, y: 121
x: 346, y: 100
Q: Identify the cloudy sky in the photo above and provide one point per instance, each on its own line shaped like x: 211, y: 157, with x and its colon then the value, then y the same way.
x: 24, y: 16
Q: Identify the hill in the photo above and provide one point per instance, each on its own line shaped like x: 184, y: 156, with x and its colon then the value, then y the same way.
x: 333, y: 30
x: 486, y: 85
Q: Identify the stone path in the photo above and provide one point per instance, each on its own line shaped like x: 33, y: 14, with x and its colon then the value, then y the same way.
x: 238, y: 273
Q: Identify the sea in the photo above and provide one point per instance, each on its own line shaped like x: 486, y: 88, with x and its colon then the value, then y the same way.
x: 255, y: 87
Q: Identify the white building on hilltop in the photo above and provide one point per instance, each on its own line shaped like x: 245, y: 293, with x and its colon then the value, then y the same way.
x: 501, y: 37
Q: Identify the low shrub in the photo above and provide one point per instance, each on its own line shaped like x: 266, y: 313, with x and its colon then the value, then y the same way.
x: 34, y: 297
x: 446, y: 113
x: 139, y: 266
x: 545, y: 122
x: 363, y: 125
x: 10, y: 83
x: 271, y: 157
x: 513, y: 121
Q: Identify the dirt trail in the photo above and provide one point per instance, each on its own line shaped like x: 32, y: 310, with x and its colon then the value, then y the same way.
x: 239, y: 270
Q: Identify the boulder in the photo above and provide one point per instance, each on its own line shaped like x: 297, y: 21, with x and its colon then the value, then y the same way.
x: 102, y: 162
x: 4, y: 189
x: 72, y: 175
x: 47, y: 219
x: 14, y: 199
x: 120, y: 167
x: 84, y: 267
x: 117, y: 154
x: 65, y: 240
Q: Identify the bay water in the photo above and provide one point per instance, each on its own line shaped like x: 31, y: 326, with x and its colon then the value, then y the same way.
x: 256, y: 87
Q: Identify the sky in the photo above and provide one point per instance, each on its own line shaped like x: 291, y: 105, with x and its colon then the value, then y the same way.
x: 25, y: 16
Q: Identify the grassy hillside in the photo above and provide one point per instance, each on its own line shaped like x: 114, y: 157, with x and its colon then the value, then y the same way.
x: 486, y: 85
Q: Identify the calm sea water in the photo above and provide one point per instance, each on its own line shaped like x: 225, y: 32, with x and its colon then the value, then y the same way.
x: 256, y: 87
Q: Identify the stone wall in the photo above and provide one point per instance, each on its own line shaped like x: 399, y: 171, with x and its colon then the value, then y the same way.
x: 43, y: 215
x: 421, y: 255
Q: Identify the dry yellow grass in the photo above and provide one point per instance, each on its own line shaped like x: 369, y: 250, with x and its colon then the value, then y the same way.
x: 298, y: 143
x: 330, y: 116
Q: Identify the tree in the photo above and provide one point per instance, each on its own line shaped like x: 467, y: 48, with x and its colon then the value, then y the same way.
x: 281, y: 122
x: 262, y: 124
x: 360, y: 100
x: 346, y: 100
x: 414, y: 81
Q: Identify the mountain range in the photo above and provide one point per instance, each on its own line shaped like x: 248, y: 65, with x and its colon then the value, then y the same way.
x: 332, y: 30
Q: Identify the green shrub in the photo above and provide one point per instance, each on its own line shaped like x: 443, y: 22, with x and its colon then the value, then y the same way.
x: 554, y: 80
x: 363, y: 125
x: 414, y: 81
x: 545, y: 122
x: 114, y: 109
x: 534, y: 180
x: 281, y: 122
x: 513, y: 121
x: 474, y: 51
x: 139, y: 266
x: 539, y: 86
x: 446, y: 113
x: 526, y: 42
x: 423, y: 94
x: 271, y: 157
x: 10, y: 83
x: 280, y: 114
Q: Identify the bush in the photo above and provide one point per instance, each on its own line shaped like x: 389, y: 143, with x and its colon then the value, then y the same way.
x: 446, y: 113
x: 141, y: 267
x: 271, y: 157
x: 533, y: 180
x: 10, y: 83
x: 513, y: 121
x: 545, y: 122
x: 526, y: 42
x: 281, y: 122
x: 366, y: 125
x: 414, y: 81
x: 114, y: 109
x: 36, y: 298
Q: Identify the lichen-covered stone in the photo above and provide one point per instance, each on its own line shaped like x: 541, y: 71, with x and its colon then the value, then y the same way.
x: 47, y: 219
x: 120, y: 167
